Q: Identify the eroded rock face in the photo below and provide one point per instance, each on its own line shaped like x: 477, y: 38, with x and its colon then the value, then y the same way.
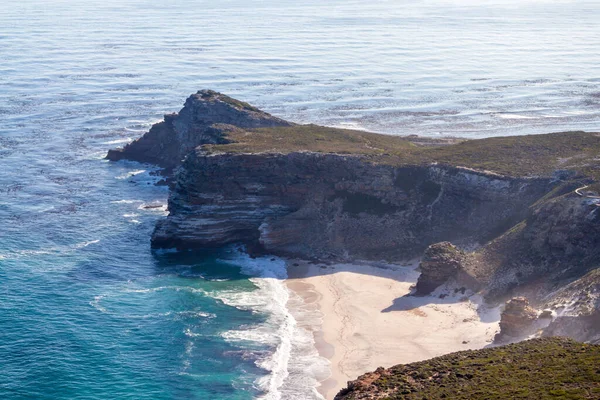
x: 567, y: 227
x: 517, y: 319
x: 440, y: 262
x: 558, y: 242
x: 577, y: 307
x: 585, y: 328
x: 317, y: 205
x: 204, y: 119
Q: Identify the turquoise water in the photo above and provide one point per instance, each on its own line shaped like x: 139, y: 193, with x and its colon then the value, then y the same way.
x: 87, y: 310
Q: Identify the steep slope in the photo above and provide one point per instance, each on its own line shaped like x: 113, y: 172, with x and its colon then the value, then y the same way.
x: 559, y: 240
x: 578, y: 309
x: 538, y: 369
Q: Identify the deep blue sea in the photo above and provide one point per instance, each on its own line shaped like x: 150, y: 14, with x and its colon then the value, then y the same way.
x: 87, y: 310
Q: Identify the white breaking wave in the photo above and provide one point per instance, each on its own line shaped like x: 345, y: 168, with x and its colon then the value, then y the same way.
x: 126, y: 201
x: 96, y: 304
x: 131, y: 173
x: 160, y: 288
x: 295, y: 364
x: 86, y: 244
x: 119, y: 141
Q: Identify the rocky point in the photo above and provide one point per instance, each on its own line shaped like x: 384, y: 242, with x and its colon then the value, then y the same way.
x: 241, y: 175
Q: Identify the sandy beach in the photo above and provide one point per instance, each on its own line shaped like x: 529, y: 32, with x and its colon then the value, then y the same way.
x: 367, y: 318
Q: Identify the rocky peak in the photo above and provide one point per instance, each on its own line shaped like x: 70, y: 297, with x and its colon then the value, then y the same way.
x: 206, y: 118
x: 208, y: 107
x: 517, y: 319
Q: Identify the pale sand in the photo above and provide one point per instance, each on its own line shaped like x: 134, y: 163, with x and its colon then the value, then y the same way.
x: 368, y: 321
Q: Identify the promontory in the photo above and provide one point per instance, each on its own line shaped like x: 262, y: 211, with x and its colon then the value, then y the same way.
x: 515, y: 217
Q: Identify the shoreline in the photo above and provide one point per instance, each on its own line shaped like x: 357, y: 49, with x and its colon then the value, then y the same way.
x: 361, y: 317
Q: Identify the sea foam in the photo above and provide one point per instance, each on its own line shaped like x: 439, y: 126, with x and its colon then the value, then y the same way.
x: 295, y: 365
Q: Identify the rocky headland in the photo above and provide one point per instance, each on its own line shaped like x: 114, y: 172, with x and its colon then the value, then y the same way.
x: 505, y: 217
x: 204, y: 119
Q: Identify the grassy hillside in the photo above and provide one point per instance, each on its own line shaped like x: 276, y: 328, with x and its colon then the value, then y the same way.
x: 531, y: 155
x: 552, y: 368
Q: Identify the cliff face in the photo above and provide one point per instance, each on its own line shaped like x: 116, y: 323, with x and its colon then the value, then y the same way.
x: 327, y: 205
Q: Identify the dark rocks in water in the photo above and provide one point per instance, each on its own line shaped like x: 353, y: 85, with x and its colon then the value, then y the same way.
x: 152, y: 205
x: 440, y: 262
x: 517, y: 319
x: 204, y: 119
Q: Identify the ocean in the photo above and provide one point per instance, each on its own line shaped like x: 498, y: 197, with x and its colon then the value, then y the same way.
x: 87, y: 309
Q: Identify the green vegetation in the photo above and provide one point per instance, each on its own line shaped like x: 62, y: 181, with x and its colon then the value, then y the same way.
x: 531, y: 155
x: 313, y: 138
x: 540, y: 369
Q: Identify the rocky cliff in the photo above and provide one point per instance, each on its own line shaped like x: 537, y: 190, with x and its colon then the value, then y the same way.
x: 558, y: 240
x: 205, y: 118
x: 317, y: 192
x: 577, y: 306
x: 316, y: 205
x: 441, y: 262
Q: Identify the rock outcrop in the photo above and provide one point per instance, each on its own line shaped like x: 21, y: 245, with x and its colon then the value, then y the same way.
x: 440, y: 262
x: 204, y: 119
x: 517, y: 320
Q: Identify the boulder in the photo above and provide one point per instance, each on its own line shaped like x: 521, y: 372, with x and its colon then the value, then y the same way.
x: 440, y: 262
x: 517, y: 319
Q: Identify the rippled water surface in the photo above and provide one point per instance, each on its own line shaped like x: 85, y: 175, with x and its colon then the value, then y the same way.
x: 87, y: 311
